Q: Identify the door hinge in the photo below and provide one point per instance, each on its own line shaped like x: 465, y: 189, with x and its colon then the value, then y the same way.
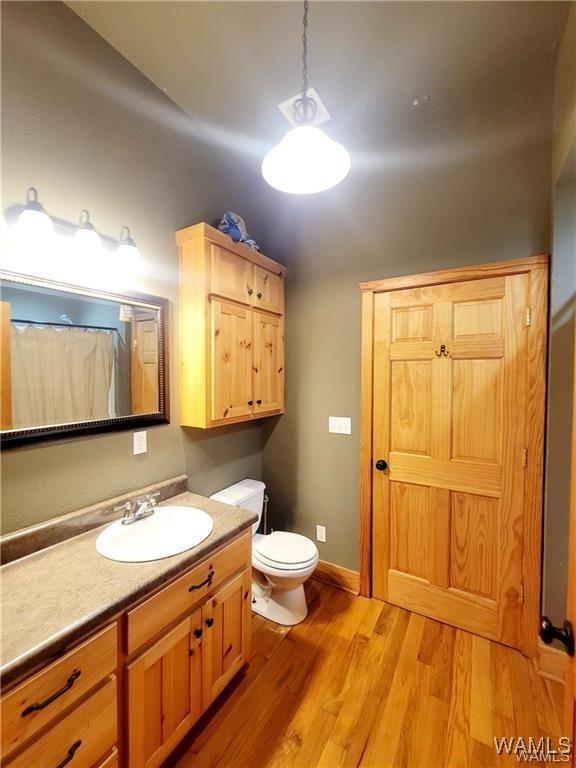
x: 528, y: 316
x: 525, y: 457
x: 521, y: 594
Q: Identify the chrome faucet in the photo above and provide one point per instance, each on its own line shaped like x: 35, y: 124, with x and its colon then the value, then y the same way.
x: 139, y: 509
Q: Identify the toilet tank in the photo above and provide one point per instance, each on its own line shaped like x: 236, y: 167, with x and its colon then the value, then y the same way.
x: 248, y: 494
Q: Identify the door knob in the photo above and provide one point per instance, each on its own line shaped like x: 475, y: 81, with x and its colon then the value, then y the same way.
x: 565, y: 633
x: 381, y: 465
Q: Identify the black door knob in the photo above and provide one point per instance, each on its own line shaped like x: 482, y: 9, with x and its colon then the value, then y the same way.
x: 381, y: 465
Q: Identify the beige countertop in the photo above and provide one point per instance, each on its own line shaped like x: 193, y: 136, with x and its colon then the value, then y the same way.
x: 57, y: 595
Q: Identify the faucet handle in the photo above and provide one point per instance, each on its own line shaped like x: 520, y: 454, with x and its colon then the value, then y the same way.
x: 126, y: 507
x: 150, y: 497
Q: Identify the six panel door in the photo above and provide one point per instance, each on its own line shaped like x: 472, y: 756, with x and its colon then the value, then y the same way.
x: 232, y: 276
x: 268, y: 362
x: 231, y: 360
x: 164, y: 694
x: 450, y: 368
x: 226, y: 638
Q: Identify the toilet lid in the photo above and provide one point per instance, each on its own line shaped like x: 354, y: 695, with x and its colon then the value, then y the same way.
x: 285, y: 548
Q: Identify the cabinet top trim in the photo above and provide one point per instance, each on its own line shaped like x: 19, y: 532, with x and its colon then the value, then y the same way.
x: 214, y: 235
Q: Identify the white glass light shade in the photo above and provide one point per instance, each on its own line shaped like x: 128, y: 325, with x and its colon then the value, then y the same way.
x: 87, y: 240
x: 130, y: 257
x: 306, y: 161
x: 33, y: 223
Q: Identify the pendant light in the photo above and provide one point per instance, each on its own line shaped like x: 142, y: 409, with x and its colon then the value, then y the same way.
x: 86, y: 238
x: 33, y: 220
x: 306, y: 160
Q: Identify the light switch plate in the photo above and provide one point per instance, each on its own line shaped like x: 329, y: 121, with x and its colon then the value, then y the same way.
x: 321, y: 533
x: 340, y: 425
x: 140, y: 443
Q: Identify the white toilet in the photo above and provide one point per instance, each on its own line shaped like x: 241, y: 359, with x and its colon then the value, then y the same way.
x: 281, y: 561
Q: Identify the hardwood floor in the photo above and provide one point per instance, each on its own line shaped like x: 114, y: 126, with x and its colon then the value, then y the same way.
x: 362, y: 683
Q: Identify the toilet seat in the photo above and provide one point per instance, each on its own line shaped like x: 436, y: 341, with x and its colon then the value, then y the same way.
x: 284, y: 551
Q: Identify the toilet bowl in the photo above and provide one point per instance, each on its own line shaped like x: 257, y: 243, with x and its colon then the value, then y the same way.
x: 281, y: 561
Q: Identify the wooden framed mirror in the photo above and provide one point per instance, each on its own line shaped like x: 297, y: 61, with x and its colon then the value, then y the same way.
x: 76, y: 361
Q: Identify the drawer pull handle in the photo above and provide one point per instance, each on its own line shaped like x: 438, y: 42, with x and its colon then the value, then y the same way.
x: 209, y: 621
x: 70, y: 754
x: 42, y: 704
x: 205, y: 583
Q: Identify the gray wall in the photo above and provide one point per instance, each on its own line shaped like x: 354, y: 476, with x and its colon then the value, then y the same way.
x: 86, y: 128
x: 560, y: 395
x: 467, y: 186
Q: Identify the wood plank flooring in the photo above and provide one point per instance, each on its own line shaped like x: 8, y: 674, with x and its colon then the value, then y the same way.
x: 362, y: 683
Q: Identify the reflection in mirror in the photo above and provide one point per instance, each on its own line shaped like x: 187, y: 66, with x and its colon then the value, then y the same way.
x: 70, y: 357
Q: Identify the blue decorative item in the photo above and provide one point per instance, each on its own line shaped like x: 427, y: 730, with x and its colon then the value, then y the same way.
x: 233, y: 226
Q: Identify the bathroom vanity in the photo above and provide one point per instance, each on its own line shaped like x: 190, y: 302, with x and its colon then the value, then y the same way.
x: 109, y: 663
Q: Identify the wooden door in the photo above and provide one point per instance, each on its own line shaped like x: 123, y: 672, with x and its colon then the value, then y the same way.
x: 226, y: 639
x: 231, y: 361
x: 5, y: 367
x: 164, y: 694
x: 268, y: 290
x: 232, y: 276
x: 268, y: 362
x: 450, y: 400
x: 145, y: 380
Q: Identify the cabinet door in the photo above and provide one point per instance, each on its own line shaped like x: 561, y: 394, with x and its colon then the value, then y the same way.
x: 231, y: 361
x: 268, y: 363
x: 164, y: 694
x: 268, y: 291
x: 226, y: 638
x: 232, y: 276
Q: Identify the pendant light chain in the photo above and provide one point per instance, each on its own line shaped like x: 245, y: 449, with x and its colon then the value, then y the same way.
x: 305, y: 107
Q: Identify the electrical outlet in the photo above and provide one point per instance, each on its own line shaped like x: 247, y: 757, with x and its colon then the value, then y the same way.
x: 140, y: 443
x: 340, y: 425
x: 321, y: 533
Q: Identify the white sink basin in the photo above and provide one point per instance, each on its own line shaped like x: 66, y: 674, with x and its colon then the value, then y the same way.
x: 169, y: 531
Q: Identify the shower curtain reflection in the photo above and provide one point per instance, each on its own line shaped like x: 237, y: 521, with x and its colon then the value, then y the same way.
x: 61, y: 375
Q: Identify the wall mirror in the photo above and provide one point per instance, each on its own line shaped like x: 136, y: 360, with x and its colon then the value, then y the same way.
x: 77, y: 360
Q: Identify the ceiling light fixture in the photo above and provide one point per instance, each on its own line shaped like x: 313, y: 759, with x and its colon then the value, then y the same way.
x: 306, y: 160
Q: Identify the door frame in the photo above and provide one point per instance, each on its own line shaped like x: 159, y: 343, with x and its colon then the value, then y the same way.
x: 537, y: 267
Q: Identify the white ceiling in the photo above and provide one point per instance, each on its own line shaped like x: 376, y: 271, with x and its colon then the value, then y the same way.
x: 228, y: 64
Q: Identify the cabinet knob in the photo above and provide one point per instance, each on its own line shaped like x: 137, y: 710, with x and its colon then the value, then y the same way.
x: 250, y: 402
x: 258, y: 402
x: 258, y: 295
x: 209, y: 621
x: 197, y: 632
x: 250, y: 291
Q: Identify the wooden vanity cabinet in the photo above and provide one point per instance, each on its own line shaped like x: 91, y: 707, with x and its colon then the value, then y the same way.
x: 231, y: 330
x: 177, y: 651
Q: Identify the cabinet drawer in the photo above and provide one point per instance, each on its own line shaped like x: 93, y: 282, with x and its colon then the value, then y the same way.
x: 37, y: 701
x: 85, y: 736
x: 156, y: 613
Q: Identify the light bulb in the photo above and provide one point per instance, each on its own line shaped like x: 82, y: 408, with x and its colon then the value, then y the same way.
x: 306, y: 161
x: 87, y: 241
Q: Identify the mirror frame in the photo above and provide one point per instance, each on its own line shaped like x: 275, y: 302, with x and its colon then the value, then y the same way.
x: 18, y: 437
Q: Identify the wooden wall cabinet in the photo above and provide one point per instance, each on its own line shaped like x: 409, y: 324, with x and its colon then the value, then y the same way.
x: 231, y: 330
